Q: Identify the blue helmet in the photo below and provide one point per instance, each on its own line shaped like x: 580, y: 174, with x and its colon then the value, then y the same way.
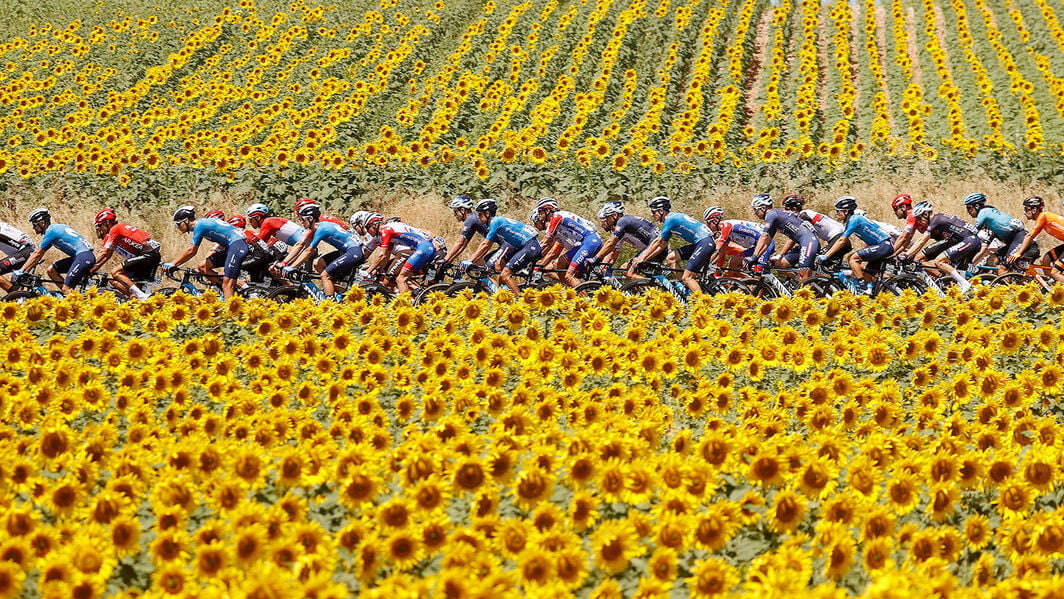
x: 975, y: 199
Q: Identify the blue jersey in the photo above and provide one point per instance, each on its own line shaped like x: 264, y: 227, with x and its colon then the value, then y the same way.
x: 865, y: 230
x: 742, y: 233
x: 509, y: 231
x: 999, y: 224
x: 689, y: 229
x: 636, y: 230
x: 569, y: 229
x: 790, y: 224
x: 334, y: 235
x: 66, y: 239
x: 215, y: 230
x: 471, y: 226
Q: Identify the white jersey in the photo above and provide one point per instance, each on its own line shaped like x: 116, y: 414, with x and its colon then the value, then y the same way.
x: 826, y: 227
x: 888, y: 228
x: 12, y: 240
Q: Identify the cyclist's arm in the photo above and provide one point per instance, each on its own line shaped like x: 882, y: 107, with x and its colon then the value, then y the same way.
x: 762, y: 245
x: 1026, y: 243
x: 551, y: 253
x: 918, y: 244
x: 786, y: 247
x: 34, y: 258
x: 382, y: 258
x: 837, y: 245
x: 457, y: 249
x: 482, y: 250
x: 608, y: 249
x: 655, y: 246
x: 295, y: 250
x: 902, y: 242
x: 186, y: 255
x: 102, y: 258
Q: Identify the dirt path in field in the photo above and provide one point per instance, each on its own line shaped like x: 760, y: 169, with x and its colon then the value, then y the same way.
x: 881, y: 47
x: 762, y: 42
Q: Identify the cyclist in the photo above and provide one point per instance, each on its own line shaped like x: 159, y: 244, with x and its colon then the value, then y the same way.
x: 793, y: 227
x: 878, y: 243
x: 279, y: 233
x: 960, y: 238
x: 349, y: 254
x: 1034, y: 209
x: 574, y: 234
x: 699, y: 240
x: 462, y: 207
x: 1001, y: 227
x: 735, y: 238
x: 888, y: 228
x: 218, y: 231
x: 625, y: 228
x: 516, y: 234
x: 825, y: 227
x: 139, y: 251
x: 17, y: 247
x: 80, y: 257
x: 324, y: 217
x: 396, y: 235
x: 260, y: 253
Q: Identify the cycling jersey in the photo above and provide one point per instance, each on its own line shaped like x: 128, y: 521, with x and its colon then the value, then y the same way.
x: 888, y: 228
x: 742, y: 233
x: 824, y: 226
x: 276, y: 228
x: 215, y: 230
x: 865, y: 230
x: 129, y: 241
x: 789, y: 224
x: 1050, y: 223
x: 947, y: 226
x: 334, y: 235
x: 1001, y: 225
x: 402, y: 235
x: 66, y: 239
x: 12, y: 240
x: 328, y: 218
x: 911, y: 224
x: 471, y: 226
x: 511, y: 232
x: 635, y: 230
x: 569, y: 229
x: 689, y: 229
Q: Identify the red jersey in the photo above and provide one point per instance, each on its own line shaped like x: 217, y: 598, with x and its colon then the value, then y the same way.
x: 129, y: 241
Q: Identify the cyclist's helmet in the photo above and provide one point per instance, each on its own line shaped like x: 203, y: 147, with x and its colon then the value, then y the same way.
x: 793, y: 202
x: 610, y: 209
x: 901, y: 200
x: 184, y: 213
x: 713, y: 212
x: 488, y: 205
x: 922, y: 208
x: 39, y: 215
x: 312, y: 211
x: 534, y: 216
x: 357, y: 218
x: 238, y: 221
x: 547, y: 204
x: 761, y: 200
x: 106, y: 215
x: 846, y: 204
x: 214, y: 214
x: 373, y: 218
x: 975, y: 199
x: 393, y: 219
x: 462, y: 203
x: 302, y: 202
x: 1034, y: 202
x: 659, y: 203
x: 258, y: 210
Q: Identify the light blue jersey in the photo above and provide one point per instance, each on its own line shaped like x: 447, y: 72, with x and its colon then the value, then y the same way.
x: 216, y: 230
x: 999, y: 224
x: 334, y: 235
x: 65, y: 239
x: 865, y: 230
x: 689, y: 229
x: 509, y: 231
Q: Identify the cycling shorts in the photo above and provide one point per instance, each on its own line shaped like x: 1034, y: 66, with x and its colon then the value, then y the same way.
x: 525, y: 256
x: 15, y: 261
x: 501, y: 254
x: 1012, y: 244
x: 234, y: 258
x: 700, y: 254
x: 142, y: 268
x: 332, y: 256
x: 76, y: 268
x: 351, y: 258
x: 932, y: 251
x: 580, y: 256
x: 416, y: 262
x: 1056, y: 257
x: 808, y: 248
x: 961, y: 253
x: 256, y: 263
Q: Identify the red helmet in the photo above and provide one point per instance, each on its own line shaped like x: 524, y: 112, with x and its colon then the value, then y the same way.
x: 214, y: 214
x: 302, y: 202
x: 106, y: 215
x: 901, y: 200
x: 238, y: 221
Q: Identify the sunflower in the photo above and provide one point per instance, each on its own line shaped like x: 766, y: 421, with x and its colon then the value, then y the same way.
x: 614, y: 544
x: 712, y: 577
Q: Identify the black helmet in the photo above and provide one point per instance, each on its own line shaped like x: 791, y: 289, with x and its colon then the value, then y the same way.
x: 184, y: 213
x: 659, y: 203
x: 488, y: 205
x: 846, y: 204
x: 1034, y: 202
x: 793, y: 202
x: 310, y: 211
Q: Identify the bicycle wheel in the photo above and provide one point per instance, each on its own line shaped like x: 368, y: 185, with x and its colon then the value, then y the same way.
x: 587, y: 288
x: 254, y: 292
x: 1010, y: 278
x: 822, y: 287
x: 283, y: 295
x: 640, y: 287
x: 901, y: 283
x: 762, y: 290
x: 378, y: 293
x: 21, y: 297
x: 165, y: 291
x: 430, y: 293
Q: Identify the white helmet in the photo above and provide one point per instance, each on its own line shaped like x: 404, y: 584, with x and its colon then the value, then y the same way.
x: 609, y: 209
x: 761, y: 200
x: 462, y: 203
x: 547, y: 204
x: 357, y: 218
x: 922, y: 208
x: 713, y: 212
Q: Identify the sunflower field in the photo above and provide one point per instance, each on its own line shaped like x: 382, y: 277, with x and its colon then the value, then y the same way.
x: 583, y: 96
x: 541, y: 445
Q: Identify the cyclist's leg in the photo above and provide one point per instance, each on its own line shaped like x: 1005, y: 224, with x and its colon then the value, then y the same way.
x: 871, y: 255
x: 415, y: 264
x: 234, y: 259
x: 583, y: 256
x: 808, y: 249
x: 958, y: 254
x: 700, y: 255
x: 12, y: 262
x: 59, y: 269
x: 340, y: 268
x: 80, y: 268
x: 524, y: 257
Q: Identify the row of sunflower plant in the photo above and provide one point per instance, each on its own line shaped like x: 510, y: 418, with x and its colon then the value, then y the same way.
x: 542, y: 444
